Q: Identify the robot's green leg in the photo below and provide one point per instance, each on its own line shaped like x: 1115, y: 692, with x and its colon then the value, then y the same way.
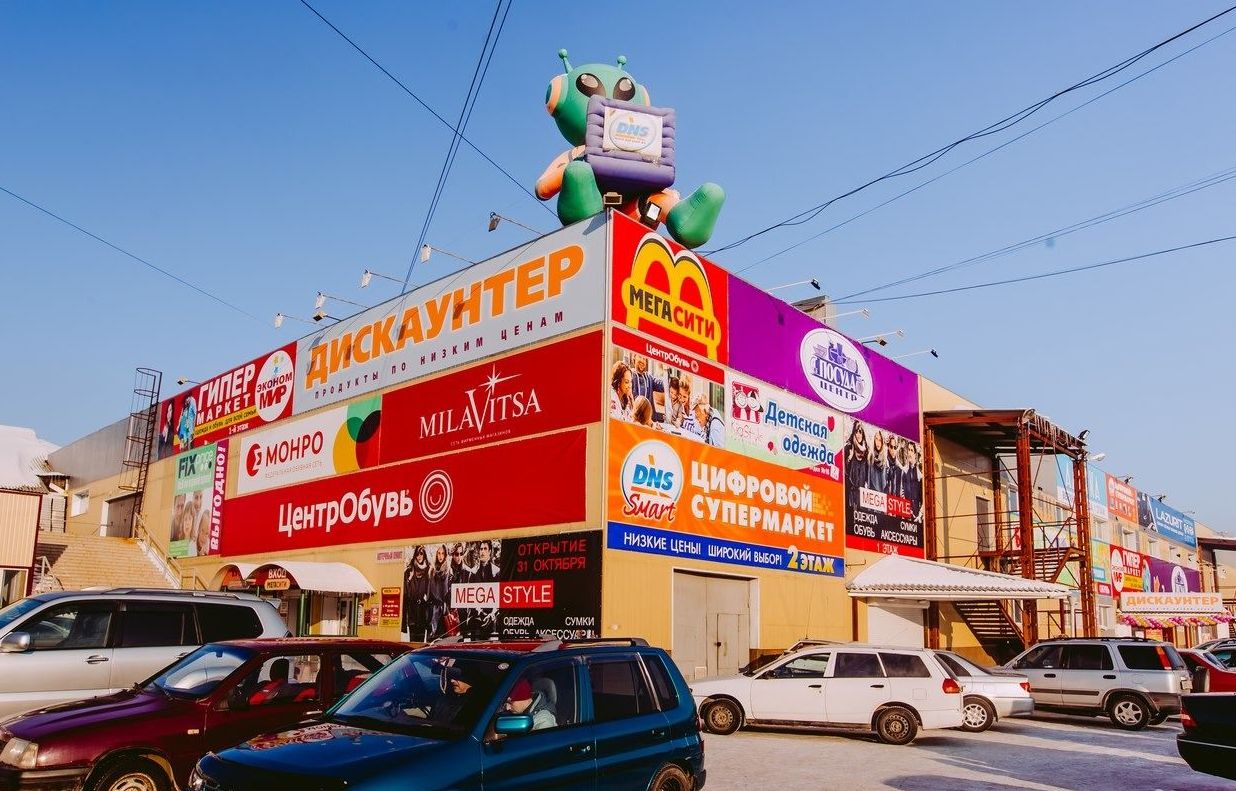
x: 580, y: 196
x: 692, y: 220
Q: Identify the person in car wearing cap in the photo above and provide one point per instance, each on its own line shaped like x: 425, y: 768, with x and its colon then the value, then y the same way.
x: 523, y: 700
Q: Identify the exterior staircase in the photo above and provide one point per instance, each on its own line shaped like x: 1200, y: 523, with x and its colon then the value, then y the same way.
x: 64, y: 561
x: 1049, y: 562
x: 992, y: 627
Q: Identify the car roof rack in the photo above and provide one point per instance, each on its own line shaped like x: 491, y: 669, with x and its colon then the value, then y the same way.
x: 1102, y: 639
x: 555, y: 644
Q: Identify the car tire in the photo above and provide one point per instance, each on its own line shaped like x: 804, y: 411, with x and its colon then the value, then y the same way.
x: 896, y: 725
x: 977, y: 715
x: 1128, y: 712
x: 721, y: 717
x: 671, y: 778
x: 132, y: 774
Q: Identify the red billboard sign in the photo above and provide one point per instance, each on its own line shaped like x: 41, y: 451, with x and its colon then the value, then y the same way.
x: 539, y: 481
x: 1121, y: 500
x: 250, y: 395
x: 548, y: 388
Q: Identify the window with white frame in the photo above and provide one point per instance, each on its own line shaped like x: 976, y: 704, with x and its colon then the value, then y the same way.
x: 81, y: 503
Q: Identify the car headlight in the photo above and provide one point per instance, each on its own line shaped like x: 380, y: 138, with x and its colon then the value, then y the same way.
x: 20, y: 753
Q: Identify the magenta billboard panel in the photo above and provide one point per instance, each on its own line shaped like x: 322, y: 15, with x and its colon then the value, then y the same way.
x: 779, y: 344
x: 1168, y: 577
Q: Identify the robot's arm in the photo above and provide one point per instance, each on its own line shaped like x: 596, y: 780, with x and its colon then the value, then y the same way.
x: 550, y: 182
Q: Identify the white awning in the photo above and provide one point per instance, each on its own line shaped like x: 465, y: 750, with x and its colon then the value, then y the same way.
x: 900, y: 577
x: 230, y: 575
x: 312, y: 576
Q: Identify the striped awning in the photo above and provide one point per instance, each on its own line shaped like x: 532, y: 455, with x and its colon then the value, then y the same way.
x: 1171, y: 620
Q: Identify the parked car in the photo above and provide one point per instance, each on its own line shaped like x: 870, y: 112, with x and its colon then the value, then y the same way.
x: 1209, y: 674
x: 1135, y: 682
x: 1208, y: 741
x: 68, y: 645
x: 891, y: 691
x: 611, y: 714
x: 1222, y: 642
x: 147, y: 737
x: 1226, y: 654
x: 987, y: 696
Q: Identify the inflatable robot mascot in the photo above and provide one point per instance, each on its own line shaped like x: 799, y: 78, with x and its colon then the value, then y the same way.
x: 623, y: 155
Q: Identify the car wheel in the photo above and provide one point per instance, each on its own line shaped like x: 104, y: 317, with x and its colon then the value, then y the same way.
x: 1128, y: 712
x: 722, y: 717
x: 135, y: 774
x: 896, y: 725
x: 977, y: 715
x: 671, y: 778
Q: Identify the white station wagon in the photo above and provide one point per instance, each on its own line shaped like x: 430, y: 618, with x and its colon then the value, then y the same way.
x: 891, y: 691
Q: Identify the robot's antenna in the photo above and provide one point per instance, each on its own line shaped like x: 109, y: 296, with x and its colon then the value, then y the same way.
x: 562, y: 53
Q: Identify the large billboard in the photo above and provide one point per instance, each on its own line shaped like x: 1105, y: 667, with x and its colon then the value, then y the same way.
x: 775, y: 426
x: 246, y: 397
x: 553, y: 285
x: 1130, y: 571
x: 1153, y: 515
x: 197, y: 505
x: 667, y: 291
x: 672, y: 496
x: 1169, y: 577
x: 508, y: 588
x: 779, y: 344
x: 530, y: 392
x: 331, y: 442
x: 1121, y: 500
x: 539, y: 481
x: 652, y: 385
x: 883, y: 491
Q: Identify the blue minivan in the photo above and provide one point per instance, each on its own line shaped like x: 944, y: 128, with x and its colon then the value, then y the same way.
x: 607, y: 714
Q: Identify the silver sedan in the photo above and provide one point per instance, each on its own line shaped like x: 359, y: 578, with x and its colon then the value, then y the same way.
x: 988, y: 695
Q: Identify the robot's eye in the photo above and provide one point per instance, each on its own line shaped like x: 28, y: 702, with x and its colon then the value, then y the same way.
x: 589, y: 85
x: 625, y: 89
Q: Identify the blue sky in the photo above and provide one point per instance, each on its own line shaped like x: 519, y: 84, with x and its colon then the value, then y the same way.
x: 248, y: 149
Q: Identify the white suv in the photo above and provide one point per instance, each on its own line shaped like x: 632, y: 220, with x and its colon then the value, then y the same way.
x: 64, y: 646
x: 892, y: 691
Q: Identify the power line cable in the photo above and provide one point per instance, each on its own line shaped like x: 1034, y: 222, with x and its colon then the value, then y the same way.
x: 984, y: 155
x: 465, y: 115
x: 1056, y: 273
x: 423, y: 104
x: 994, y: 128
x: 1146, y: 203
x: 134, y: 256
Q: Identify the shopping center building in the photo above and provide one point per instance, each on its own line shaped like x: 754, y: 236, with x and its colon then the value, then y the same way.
x: 600, y: 433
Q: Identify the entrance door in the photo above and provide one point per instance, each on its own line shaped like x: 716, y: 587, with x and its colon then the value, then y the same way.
x: 712, y: 624
x: 118, y: 516
x: 889, y: 624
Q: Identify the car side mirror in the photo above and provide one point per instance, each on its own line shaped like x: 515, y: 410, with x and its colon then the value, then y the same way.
x: 15, y: 643
x: 513, y: 724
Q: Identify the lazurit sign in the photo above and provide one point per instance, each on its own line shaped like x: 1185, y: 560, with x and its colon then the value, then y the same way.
x: 540, y: 290
x: 532, y: 392
x: 539, y: 481
x: 669, y: 495
x: 668, y: 292
x: 1172, y: 602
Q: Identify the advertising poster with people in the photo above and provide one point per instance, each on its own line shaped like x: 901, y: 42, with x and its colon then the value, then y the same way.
x: 656, y: 387
x: 197, y: 507
x: 883, y: 491
x: 769, y: 424
x: 1153, y: 514
x: 509, y: 588
x: 1168, y: 577
x: 672, y: 496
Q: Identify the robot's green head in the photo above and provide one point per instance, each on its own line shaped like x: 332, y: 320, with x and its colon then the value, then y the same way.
x: 568, y: 94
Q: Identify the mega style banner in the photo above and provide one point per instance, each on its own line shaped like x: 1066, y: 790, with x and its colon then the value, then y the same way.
x: 530, y: 392
x: 332, y: 442
x: 537, y: 291
x: 1121, y: 500
x: 1165, y: 520
x: 883, y: 492
x: 1172, y: 578
x: 505, y: 588
x: 672, y: 496
x: 652, y: 385
x: 667, y: 291
x: 539, y: 481
x: 1129, y: 570
x: 775, y: 426
x: 779, y: 344
x: 244, y: 398
x: 197, y: 505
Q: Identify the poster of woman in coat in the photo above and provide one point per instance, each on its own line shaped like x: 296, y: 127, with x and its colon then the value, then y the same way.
x: 883, y: 491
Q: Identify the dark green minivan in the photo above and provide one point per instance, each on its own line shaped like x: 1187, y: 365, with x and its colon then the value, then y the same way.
x: 605, y: 714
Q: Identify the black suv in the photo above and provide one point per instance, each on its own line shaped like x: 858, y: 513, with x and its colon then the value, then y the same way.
x: 610, y: 714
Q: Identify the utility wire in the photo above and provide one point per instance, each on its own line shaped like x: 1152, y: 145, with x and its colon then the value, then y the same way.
x: 994, y: 128
x: 423, y: 104
x: 984, y: 155
x: 1055, y: 273
x: 1147, y: 203
x: 465, y: 115
x: 134, y: 256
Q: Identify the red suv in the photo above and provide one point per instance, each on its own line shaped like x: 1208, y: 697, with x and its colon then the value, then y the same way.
x: 148, y: 738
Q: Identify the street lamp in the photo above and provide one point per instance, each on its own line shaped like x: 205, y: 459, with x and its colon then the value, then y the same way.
x: 495, y: 219
x: 882, y: 337
x: 865, y: 313
x: 427, y: 250
x: 183, y: 381
x: 812, y: 282
x: 369, y: 275
x: 281, y: 317
x: 321, y: 314
x: 932, y: 352
x: 320, y: 302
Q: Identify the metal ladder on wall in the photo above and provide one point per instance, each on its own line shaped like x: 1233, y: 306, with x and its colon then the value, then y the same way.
x: 139, y: 438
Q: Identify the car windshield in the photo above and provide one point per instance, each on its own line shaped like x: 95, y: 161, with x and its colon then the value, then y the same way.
x: 16, y: 610
x: 428, y: 693
x: 199, y: 673
x: 960, y: 665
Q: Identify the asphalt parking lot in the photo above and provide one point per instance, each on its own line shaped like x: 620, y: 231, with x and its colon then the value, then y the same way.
x: 1045, y: 753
